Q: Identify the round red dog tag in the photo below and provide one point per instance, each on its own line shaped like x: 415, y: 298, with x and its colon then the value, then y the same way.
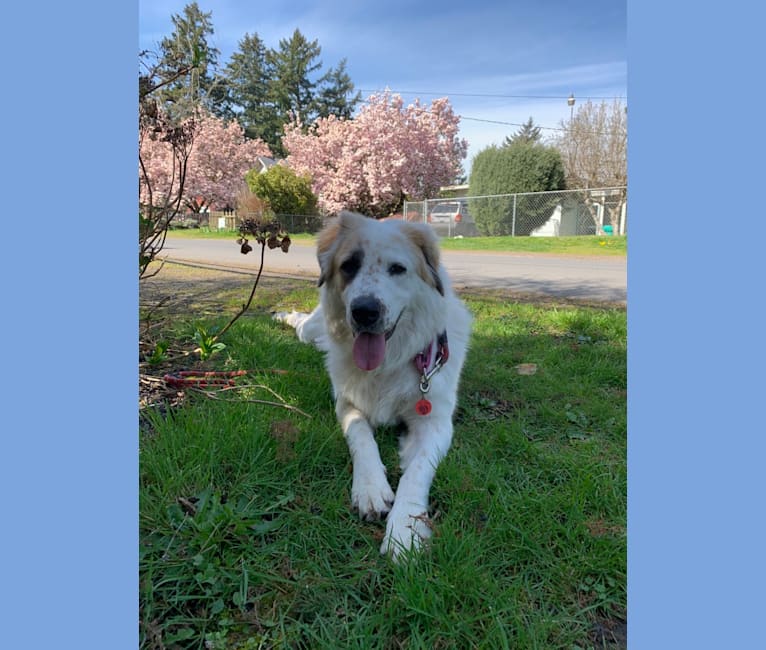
x: 423, y: 407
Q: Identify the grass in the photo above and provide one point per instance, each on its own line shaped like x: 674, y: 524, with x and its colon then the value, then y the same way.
x: 209, y: 233
x: 581, y: 245
x: 247, y: 539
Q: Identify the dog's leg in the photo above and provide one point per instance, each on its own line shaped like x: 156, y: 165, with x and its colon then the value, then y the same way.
x: 310, y: 328
x: 371, y: 495
x: 407, y: 525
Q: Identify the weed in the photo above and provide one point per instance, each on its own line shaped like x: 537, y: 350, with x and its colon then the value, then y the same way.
x: 159, y: 354
x: 207, y: 345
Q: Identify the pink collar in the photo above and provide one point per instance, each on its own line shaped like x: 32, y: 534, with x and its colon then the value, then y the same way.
x: 426, y: 369
x: 423, y: 359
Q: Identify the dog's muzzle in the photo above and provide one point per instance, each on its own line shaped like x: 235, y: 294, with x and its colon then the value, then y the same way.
x: 367, y: 314
x: 368, y: 318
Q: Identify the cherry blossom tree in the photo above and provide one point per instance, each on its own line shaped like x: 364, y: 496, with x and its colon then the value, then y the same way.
x: 215, y: 169
x: 220, y: 158
x: 386, y: 154
x: 164, y: 147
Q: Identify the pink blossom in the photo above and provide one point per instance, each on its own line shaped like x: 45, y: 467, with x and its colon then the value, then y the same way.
x: 219, y: 159
x: 388, y: 152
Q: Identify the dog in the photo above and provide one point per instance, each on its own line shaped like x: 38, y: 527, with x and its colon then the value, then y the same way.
x: 395, y: 337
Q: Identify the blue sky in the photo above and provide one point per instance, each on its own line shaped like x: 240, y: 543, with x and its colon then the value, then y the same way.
x: 496, y: 61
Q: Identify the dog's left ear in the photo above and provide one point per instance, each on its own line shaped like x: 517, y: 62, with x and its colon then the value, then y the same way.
x: 326, y: 244
x: 425, y: 239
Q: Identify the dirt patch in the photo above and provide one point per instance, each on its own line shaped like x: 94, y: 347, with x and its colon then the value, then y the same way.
x: 286, y: 435
x: 610, y: 633
x: 600, y: 528
x: 181, y: 290
x: 184, y: 289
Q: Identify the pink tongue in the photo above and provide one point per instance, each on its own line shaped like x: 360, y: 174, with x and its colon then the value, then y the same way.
x: 369, y: 350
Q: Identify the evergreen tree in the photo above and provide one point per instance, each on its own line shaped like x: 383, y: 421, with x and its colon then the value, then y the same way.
x: 527, y: 134
x: 247, y: 77
x: 335, y: 97
x: 188, y: 46
x: 259, y: 87
x: 291, y: 67
x: 295, y: 88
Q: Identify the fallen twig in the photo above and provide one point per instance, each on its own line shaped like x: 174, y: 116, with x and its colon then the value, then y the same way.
x: 282, y: 403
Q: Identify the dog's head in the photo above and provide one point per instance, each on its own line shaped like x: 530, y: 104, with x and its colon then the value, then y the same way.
x: 381, y: 280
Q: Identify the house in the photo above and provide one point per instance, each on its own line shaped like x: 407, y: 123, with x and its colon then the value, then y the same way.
x: 263, y: 163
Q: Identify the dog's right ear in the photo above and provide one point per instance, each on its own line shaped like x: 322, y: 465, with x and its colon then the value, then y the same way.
x: 424, y: 238
x: 326, y: 244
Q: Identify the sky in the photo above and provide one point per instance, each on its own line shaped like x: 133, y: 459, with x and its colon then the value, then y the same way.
x: 499, y: 62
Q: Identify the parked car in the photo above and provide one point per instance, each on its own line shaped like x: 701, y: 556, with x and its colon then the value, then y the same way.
x: 451, y: 219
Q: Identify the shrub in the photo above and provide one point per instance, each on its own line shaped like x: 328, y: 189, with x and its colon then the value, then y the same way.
x: 286, y: 192
x: 513, y: 169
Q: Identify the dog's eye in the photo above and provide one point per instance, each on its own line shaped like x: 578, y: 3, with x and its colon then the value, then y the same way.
x: 350, y: 266
x: 396, y: 269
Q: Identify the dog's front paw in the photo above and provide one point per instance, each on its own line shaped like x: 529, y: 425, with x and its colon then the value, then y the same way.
x: 371, y: 498
x: 287, y: 317
x: 405, y: 530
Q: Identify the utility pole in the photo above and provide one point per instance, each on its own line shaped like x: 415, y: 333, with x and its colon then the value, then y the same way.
x: 571, y: 103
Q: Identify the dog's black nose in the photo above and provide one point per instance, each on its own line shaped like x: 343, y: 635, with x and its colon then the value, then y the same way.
x: 366, y: 311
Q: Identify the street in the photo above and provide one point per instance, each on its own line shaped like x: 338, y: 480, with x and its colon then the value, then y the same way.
x: 601, y: 279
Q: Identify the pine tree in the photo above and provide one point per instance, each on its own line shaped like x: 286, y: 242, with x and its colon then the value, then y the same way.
x: 188, y: 46
x: 335, y: 97
x: 295, y: 88
x: 248, y: 79
x: 291, y: 68
x: 527, y: 134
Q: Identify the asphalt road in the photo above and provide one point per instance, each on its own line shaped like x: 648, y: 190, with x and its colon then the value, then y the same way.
x: 599, y: 279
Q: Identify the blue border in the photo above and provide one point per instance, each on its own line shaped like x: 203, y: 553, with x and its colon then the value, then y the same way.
x: 696, y: 352
x: 69, y: 459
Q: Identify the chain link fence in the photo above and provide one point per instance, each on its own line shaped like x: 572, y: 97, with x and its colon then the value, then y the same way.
x: 600, y: 211
x: 230, y: 220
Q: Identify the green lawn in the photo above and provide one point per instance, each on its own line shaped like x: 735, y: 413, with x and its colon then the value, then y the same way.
x: 582, y: 245
x: 207, y: 233
x: 247, y: 538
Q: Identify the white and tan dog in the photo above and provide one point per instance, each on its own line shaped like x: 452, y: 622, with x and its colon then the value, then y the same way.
x: 396, y: 337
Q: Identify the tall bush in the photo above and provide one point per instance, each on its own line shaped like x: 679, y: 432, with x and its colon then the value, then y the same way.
x: 518, y: 168
x: 285, y: 191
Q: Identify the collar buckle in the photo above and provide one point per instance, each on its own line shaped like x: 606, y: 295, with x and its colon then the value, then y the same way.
x: 423, y: 361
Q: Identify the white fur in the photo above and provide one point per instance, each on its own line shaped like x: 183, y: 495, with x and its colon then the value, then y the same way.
x: 387, y: 394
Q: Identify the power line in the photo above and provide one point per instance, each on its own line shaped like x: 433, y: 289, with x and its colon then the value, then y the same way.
x: 547, y: 128
x: 504, y: 123
x: 478, y: 119
x: 447, y: 94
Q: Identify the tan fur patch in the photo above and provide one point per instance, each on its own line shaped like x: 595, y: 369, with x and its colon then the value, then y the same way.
x: 327, y: 236
x: 336, y: 242
x: 428, y: 249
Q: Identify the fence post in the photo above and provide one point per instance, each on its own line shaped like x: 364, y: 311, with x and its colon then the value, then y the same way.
x: 623, y: 210
x: 513, y: 222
